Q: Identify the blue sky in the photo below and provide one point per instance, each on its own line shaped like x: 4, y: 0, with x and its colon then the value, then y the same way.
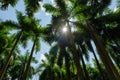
x: 10, y: 14
x: 45, y: 19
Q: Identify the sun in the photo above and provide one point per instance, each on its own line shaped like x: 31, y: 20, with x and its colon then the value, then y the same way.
x: 65, y: 29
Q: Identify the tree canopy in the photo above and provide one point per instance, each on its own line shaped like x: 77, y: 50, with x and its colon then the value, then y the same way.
x: 83, y: 36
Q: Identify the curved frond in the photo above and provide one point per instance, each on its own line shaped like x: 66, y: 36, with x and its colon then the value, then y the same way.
x: 10, y: 24
x: 51, y: 9
x: 32, y: 6
x: 38, y: 45
x: 5, y: 3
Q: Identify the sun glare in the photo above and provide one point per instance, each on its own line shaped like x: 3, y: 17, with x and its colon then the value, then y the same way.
x: 64, y: 29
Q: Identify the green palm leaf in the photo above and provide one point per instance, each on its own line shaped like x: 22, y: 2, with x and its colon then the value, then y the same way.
x: 50, y: 9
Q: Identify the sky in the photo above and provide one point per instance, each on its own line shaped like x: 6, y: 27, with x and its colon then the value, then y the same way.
x: 45, y: 19
x: 10, y: 14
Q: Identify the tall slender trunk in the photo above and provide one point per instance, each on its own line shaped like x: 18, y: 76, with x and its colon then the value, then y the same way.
x: 67, y: 64
x: 111, y: 70
x: 29, y: 61
x: 87, y: 77
x: 67, y: 68
x: 75, y: 55
x: 97, y: 61
x: 99, y: 67
x: 2, y: 72
x: 76, y: 58
x: 117, y: 46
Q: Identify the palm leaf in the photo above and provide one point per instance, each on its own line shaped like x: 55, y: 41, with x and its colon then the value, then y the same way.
x: 50, y: 9
x: 5, y: 3
x: 85, y: 52
x: 32, y: 6
x: 10, y: 24
x: 38, y: 45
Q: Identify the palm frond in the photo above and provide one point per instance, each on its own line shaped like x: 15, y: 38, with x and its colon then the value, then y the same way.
x: 5, y: 3
x: 20, y: 17
x: 85, y: 52
x: 10, y: 24
x: 61, y: 4
x: 112, y: 17
x: 24, y: 39
x: 32, y: 6
x: 51, y: 9
x: 38, y: 45
x: 54, y: 50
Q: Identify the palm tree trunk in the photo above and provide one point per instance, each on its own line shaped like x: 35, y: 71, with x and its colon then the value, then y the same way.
x: 29, y: 61
x: 85, y: 70
x: 111, y: 70
x: 67, y: 68
x: 67, y: 64
x: 99, y: 67
x: 75, y: 55
x: 2, y: 72
x: 97, y: 62
x: 87, y: 77
x: 77, y: 63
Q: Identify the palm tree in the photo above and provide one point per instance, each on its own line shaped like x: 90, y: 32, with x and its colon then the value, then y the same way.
x: 17, y: 67
x: 37, y: 33
x: 104, y: 56
x: 4, y: 39
x: 83, y: 39
x: 59, y: 49
x: 96, y: 59
x: 10, y: 54
x: 112, y: 42
x: 22, y: 26
x: 83, y: 62
x: 29, y: 61
x: 60, y: 15
x: 32, y: 6
x: 5, y: 3
x: 89, y: 15
x: 94, y: 74
x: 67, y: 62
x: 101, y: 49
x: 50, y: 70
x: 80, y: 40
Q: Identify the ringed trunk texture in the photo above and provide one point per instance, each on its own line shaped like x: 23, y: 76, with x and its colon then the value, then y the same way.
x: 2, y: 72
x: 111, y: 70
